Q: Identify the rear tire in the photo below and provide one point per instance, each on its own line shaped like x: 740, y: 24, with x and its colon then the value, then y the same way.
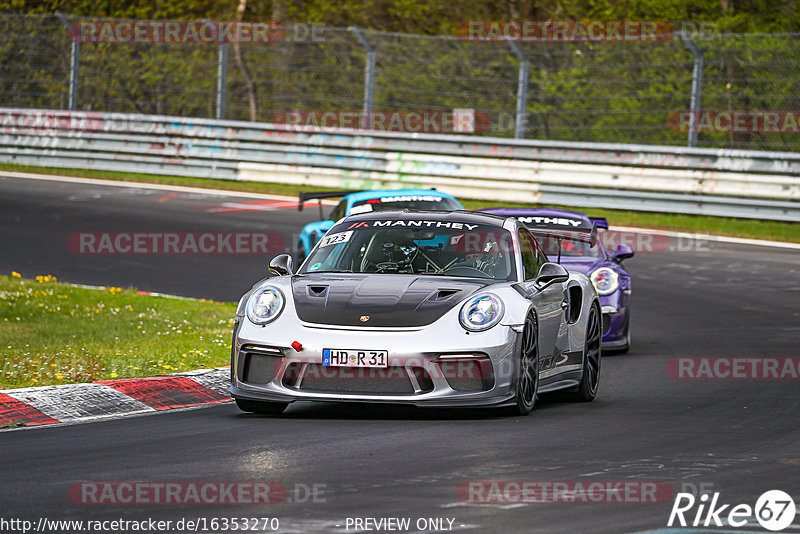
x: 592, y: 352
x: 528, y: 372
x: 261, y: 407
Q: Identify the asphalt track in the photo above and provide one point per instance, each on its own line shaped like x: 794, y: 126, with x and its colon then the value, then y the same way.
x: 736, y: 437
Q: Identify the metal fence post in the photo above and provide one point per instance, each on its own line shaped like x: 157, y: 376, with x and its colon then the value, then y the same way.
x: 369, y: 72
x: 522, y: 90
x: 222, y: 80
x: 697, y: 85
x: 74, y: 63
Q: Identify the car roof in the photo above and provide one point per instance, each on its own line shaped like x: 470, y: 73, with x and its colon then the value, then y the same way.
x: 366, y: 195
x: 463, y: 216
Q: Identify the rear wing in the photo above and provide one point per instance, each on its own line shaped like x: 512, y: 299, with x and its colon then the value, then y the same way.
x: 319, y: 195
x: 562, y: 227
x: 582, y: 235
x: 600, y: 222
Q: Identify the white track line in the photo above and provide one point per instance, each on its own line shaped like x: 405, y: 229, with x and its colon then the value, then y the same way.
x: 264, y: 196
x: 708, y: 237
x: 144, y: 185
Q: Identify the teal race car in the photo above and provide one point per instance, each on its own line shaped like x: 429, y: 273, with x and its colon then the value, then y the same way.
x: 354, y: 202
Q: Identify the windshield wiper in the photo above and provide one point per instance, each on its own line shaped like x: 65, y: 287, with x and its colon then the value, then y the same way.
x: 330, y: 271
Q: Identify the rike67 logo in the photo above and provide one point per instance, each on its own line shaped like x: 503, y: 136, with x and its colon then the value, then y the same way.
x: 774, y: 510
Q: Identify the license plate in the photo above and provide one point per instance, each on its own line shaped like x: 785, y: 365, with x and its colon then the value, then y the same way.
x: 355, y: 358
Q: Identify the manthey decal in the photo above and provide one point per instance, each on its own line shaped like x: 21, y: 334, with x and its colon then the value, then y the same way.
x: 413, y: 224
x: 552, y: 221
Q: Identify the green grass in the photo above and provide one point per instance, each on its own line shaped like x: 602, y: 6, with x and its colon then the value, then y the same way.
x: 54, y: 333
x: 756, y: 229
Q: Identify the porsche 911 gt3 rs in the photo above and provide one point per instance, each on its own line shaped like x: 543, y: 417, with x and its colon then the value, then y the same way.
x: 428, y: 308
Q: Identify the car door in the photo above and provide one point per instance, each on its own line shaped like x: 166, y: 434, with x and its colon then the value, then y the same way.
x: 548, y: 302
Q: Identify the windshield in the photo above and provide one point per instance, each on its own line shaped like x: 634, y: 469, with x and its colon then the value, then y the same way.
x: 569, y: 247
x: 414, y: 202
x: 415, y: 247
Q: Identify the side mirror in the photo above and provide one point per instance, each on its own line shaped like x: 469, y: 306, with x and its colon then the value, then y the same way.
x: 281, y: 265
x: 551, y: 273
x: 623, y: 252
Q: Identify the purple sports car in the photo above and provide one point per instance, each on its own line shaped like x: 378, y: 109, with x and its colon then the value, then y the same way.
x: 571, y: 239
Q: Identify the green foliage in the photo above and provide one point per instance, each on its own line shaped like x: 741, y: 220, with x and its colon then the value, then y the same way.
x: 55, y: 333
x: 435, y: 17
x: 602, y: 91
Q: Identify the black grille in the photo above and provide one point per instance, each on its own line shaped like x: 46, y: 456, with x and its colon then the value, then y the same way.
x: 292, y: 374
x: 606, y: 323
x: 369, y: 380
x: 423, y: 379
x: 257, y: 368
x: 468, y: 375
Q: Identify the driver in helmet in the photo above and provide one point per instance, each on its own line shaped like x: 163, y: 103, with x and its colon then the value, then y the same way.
x: 484, y: 259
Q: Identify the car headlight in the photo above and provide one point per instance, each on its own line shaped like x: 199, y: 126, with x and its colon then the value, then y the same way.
x: 481, y: 312
x: 605, y: 280
x: 265, y: 305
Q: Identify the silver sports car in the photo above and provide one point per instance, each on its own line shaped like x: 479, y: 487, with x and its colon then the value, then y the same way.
x: 428, y: 308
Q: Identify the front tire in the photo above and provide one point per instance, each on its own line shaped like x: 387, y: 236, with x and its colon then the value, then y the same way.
x: 592, y: 352
x: 261, y: 407
x: 528, y: 372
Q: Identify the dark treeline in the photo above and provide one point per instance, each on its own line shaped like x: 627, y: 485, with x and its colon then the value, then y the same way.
x: 437, y: 16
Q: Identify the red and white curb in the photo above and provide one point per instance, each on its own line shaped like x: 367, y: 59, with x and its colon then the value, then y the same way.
x: 110, y: 399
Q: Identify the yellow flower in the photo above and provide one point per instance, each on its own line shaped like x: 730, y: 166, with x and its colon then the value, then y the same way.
x: 15, y: 274
x: 113, y: 375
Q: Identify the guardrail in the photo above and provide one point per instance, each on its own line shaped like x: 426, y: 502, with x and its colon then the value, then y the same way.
x: 747, y: 184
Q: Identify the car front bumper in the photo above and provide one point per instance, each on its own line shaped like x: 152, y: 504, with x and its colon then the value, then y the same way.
x: 616, y: 319
x: 430, y: 366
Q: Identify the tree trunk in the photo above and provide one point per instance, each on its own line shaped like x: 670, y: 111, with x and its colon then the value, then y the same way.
x: 248, y: 79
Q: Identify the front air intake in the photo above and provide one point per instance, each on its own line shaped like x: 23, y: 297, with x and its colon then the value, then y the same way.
x: 259, y: 365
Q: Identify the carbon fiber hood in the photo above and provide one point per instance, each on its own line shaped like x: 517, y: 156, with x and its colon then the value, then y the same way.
x: 387, y: 300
